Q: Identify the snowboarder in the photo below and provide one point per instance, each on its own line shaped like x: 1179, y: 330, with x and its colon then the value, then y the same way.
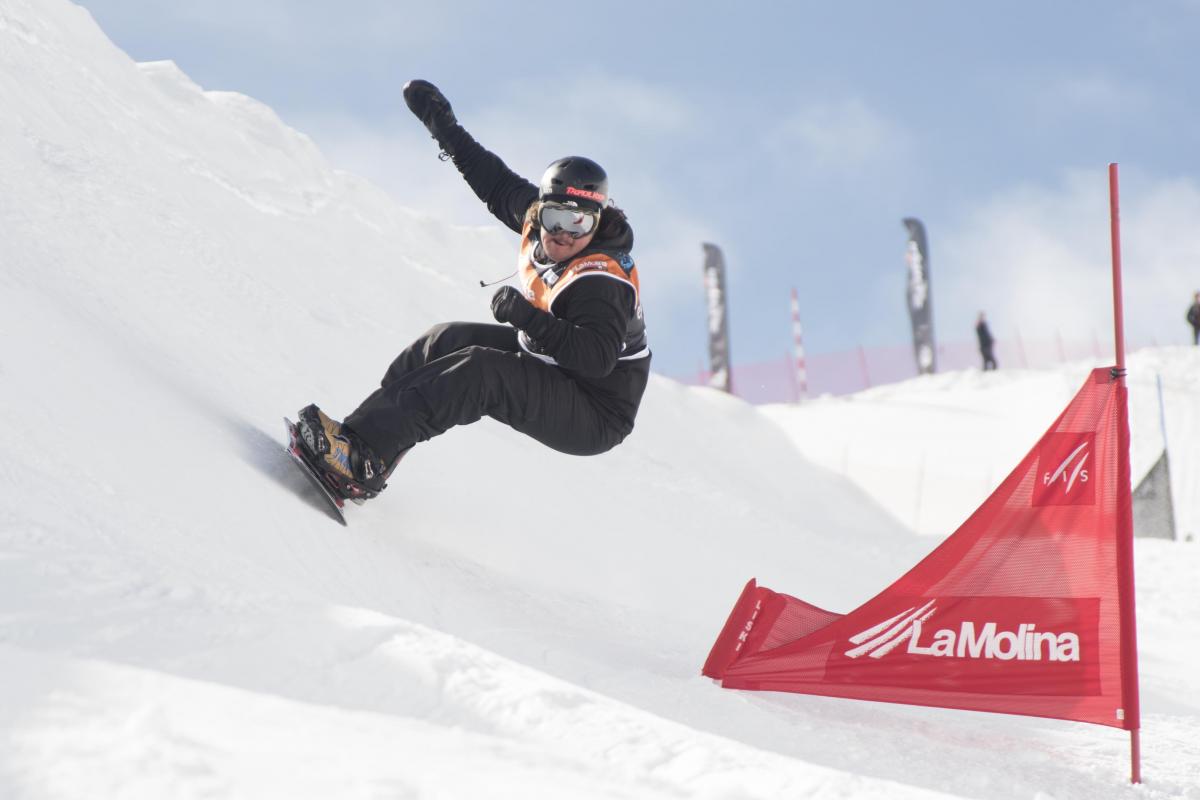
x: 986, y: 343
x: 568, y: 363
x: 1193, y: 318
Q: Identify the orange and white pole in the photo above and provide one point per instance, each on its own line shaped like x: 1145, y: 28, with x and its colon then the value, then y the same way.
x: 798, y: 349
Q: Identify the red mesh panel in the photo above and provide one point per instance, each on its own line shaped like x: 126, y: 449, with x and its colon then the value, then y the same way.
x: 1017, y: 612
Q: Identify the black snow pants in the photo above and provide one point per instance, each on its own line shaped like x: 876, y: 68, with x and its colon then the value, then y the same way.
x: 460, y: 371
x: 989, y: 357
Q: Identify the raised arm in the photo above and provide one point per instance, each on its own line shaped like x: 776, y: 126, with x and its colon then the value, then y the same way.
x: 506, y: 194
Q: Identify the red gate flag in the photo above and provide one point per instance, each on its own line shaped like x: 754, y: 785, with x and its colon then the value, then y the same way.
x: 1019, y: 611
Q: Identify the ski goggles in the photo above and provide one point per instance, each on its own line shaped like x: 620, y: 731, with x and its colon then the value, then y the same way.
x: 567, y: 218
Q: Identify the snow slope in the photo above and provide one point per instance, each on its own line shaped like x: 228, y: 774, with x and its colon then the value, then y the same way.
x: 931, y: 449
x: 179, y: 618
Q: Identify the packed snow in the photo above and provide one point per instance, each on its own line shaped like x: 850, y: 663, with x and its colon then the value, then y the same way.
x: 929, y: 450
x: 179, y: 616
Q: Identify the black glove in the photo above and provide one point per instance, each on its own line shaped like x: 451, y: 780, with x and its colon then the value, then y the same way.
x: 430, y: 106
x: 509, y: 305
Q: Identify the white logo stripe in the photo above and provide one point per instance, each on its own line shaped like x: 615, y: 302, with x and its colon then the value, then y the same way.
x: 859, y: 638
x: 1066, y: 461
x: 880, y: 652
x: 896, y: 630
x: 1078, y: 467
x: 904, y: 637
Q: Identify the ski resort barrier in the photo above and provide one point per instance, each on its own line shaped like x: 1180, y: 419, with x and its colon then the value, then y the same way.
x: 849, y: 371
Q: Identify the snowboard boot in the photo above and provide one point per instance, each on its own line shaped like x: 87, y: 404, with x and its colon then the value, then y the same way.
x: 344, y: 461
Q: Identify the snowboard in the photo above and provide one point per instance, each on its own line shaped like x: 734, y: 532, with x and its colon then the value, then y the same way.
x: 336, y: 504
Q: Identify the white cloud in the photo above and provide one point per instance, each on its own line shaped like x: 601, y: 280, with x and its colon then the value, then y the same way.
x: 399, y: 157
x: 845, y: 135
x: 615, y: 120
x: 528, y: 130
x: 288, y: 27
x: 1070, y: 95
x: 1037, y: 259
x: 643, y: 107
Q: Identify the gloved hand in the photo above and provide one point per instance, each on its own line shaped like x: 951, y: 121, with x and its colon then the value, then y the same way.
x: 430, y: 106
x: 509, y: 305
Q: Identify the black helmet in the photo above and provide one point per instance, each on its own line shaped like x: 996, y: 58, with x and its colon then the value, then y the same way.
x: 575, y: 179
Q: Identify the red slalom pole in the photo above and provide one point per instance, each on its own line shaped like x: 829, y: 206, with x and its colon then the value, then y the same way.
x: 1129, y: 670
x: 1114, y: 205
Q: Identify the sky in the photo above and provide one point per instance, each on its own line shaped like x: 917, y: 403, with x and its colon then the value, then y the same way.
x: 794, y: 135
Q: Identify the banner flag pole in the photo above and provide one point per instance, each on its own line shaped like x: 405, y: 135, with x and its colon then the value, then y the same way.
x: 1114, y: 204
x: 1125, y: 585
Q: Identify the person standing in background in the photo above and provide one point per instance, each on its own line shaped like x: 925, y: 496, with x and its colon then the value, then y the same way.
x: 1193, y: 318
x: 986, y: 343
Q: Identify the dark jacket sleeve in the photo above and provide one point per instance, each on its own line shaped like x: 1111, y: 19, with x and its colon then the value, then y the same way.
x: 590, y: 326
x: 506, y: 194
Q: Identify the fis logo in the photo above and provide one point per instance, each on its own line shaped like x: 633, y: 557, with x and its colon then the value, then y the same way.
x: 971, y: 640
x: 1065, y: 468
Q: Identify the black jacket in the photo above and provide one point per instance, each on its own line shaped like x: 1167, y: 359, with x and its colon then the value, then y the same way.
x: 593, y: 321
x: 985, y: 335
